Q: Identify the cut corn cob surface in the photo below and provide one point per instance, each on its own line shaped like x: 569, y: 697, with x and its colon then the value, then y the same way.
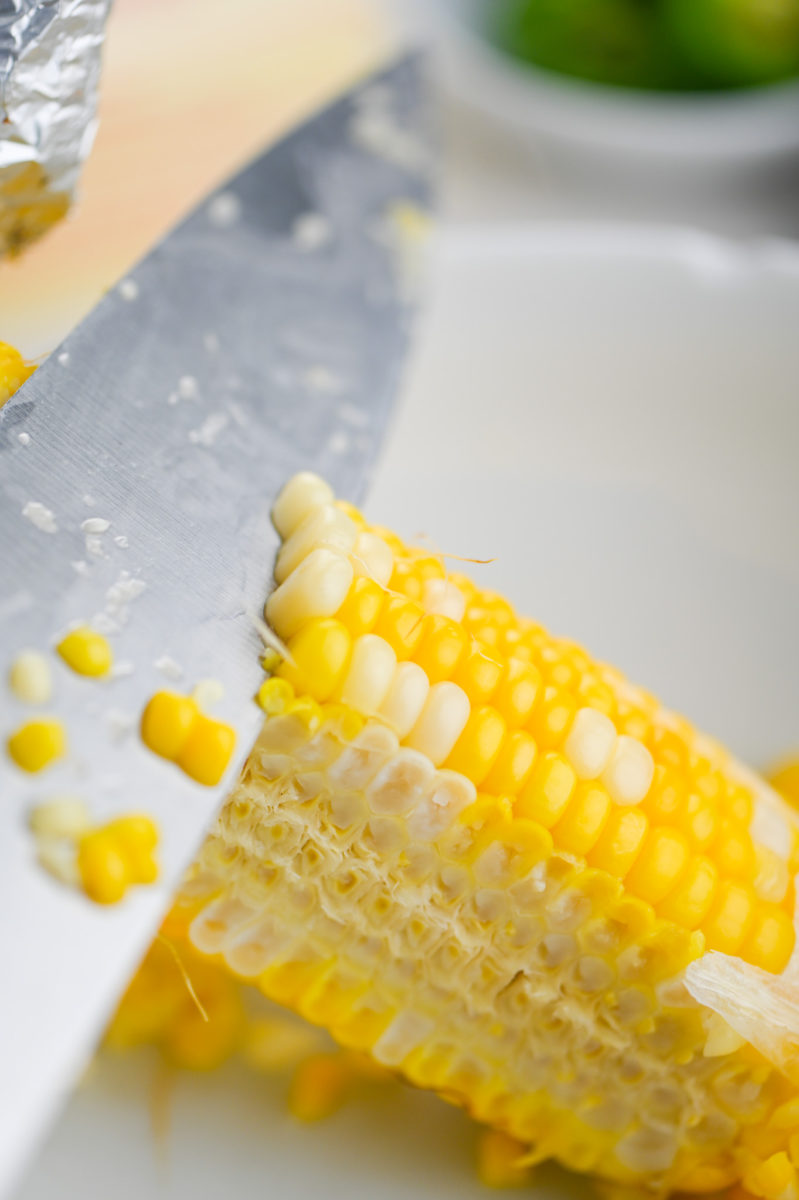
x: 468, y: 849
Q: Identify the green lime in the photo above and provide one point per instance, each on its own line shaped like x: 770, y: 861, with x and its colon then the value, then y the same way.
x: 735, y: 43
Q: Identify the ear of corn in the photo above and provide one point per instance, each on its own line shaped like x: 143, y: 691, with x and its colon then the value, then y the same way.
x: 468, y: 849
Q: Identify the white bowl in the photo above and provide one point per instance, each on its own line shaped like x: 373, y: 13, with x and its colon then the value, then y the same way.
x: 742, y: 128
x: 613, y: 416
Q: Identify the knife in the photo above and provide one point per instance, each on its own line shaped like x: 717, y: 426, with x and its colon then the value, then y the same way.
x: 138, y: 465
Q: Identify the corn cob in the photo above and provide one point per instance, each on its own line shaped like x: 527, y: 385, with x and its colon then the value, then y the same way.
x: 468, y: 849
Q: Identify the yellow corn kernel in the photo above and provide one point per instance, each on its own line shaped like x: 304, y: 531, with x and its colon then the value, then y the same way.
x: 733, y: 851
x: 136, y: 837
x: 13, y: 371
x: 29, y: 678
x: 478, y: 674
x: 584, y: 819
x: 620, y: 842
x: 689, y: 903
x: 207, y: 750
x: 517, y: 693
x: 404, y: 580
x: 552, y: 718
x: 513, y: 765
x: 37, y: 743
x: 663, y: 858
x: 361, y: 607
x: 700, y: 821
x: 773, y: 1179
x: 441, y: 647
x: 548, y: 791
x: 319, y: 653
x: 477, y: 748
x: 666, y: 797
x: 319, y: 1087
x: 770, y: 942
x: 167, y: 722
x: 274, y: 696
x: 400, y: 623
x: 499, y: 1160
x: 86, y: 652
x: 785, y: 779
x: 731, y: 917
x: 102, y: 867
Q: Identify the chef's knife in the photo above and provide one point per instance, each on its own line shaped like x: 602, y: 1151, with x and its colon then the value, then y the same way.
x: 137, y: 470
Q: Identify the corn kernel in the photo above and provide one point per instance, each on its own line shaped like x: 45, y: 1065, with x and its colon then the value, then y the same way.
x: 30, y: 679
x: 324, y: 526
x: 689, y: 903
x: 444, y: 598
x: 590, y: 743
x: 102, y: 867
x: 517, y: 693
x: 700, y: 821
x: 584, y: 819
x: 86, y: 652
x: 513, y: 765
x: 13, y: 371
x: 320, y: 652
x: 61, y: 817
x: 773, y: 1179
x: 620, y: 842
x: 441, y: 722
x: 441, y: 647
x: 403, y: 703
x: 372, y: 558
x: 730, y: 919
x: 628, y: 775
x: 354, y: 514
x: 499, y: 1160
x: 663, y: 858
x: 136, y: 838
x: 361, y: 608
x: 770, y: 942
x: 207, y: 751
x: 547, y: 793
x: 167, y: 722
x: 303, y: 493
x: 369, y: 675
x: 785, y: 780
x: 274, y: 695
x: 477, y: 748
x: 478, y: 674
x: 733, y: 851
x: 401, y: 624
x: 37, y: 743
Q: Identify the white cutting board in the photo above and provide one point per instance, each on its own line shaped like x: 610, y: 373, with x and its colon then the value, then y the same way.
x: 614, y: 416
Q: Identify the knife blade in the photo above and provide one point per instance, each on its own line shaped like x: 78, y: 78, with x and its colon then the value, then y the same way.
x: 264, y: 335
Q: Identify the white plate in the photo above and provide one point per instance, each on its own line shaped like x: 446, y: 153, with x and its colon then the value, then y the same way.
x: 734, y: 128
x: 614, y: 417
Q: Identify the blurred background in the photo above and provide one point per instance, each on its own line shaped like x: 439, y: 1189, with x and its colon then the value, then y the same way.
x: 653, y: 111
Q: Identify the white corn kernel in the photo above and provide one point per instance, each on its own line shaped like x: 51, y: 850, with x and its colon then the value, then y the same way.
x: 316, y: 589
x: 771, y: 875
x: 405, y: 698
x: 442, y: 720
x: 325, y: 526
x: 444, y: 599
x: 373, y: 557
x: 590, y: 743
x: 60, y: 817
x: 450, y: 795
x: 369, y: 675
x: 402, y: 784
x: 59, y: 858
x: 628, y: 775
x: 303, y: 493
x: 30, y: 678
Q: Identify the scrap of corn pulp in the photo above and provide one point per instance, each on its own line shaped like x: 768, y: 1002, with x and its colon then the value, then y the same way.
x: 489, y: 862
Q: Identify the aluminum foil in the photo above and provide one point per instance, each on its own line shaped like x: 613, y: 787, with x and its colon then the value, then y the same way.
x: 49, y: 73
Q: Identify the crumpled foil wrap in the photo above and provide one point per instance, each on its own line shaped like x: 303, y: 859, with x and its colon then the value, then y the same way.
x: 49, y: 73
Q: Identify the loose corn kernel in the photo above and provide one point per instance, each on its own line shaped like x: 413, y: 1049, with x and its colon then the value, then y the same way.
x: 400, y: 623
x: 584, y: 819
x: 476, y: 750
x: 316, y: 588
x: 319, y: 1087
x: 86, y: 652
x: 274, y: 695
x: 663, y: 858
x: 303, y: 493
x: 478, y: 674
x: 60, y: 817
x: 136, y: 837
x: 443, y: 717
x: 620, y: 842
x: 513, y: 765
x: 319, y: 652
x: 369, y: 675
x: 207, y: 751
x: 730, y: 919
x: 102, y: 867
x: 689, y: 903
x: 37, y: 743
x: 771, y: 940
x: 628, y: 775
x: 441, y: 647
x: 499, y: 1162
x: 30, y: 678
x: 517, y: 693
x: 167, y: 722
x: 361, y: 607
x: 547, y: 793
